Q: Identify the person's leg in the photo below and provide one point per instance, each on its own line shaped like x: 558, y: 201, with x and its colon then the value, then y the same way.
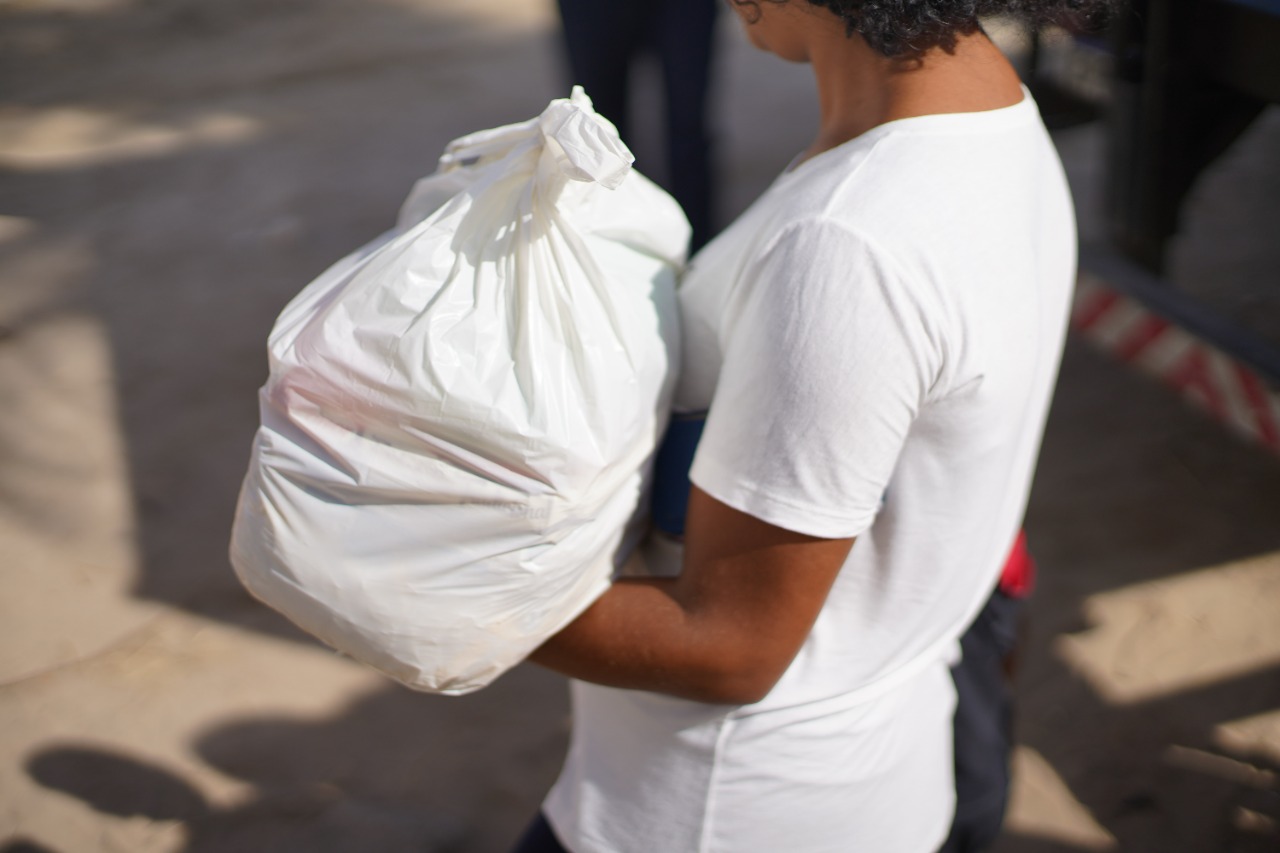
x: 684, y: 35
x: 983, y: 726
x: 601, y: 39
x: 539, y: 838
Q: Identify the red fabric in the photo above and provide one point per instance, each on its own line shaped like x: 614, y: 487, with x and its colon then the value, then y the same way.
x: 1019, y: 575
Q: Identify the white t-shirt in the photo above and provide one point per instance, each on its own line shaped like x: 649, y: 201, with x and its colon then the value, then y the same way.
x: 876, y: 340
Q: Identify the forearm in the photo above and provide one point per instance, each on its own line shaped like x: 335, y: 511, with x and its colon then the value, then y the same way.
x: 724, y: 631
x: 641, y: 635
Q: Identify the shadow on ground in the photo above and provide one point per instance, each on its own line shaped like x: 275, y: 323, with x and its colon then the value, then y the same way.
x: 1132, y: 489
x: 393, y: 771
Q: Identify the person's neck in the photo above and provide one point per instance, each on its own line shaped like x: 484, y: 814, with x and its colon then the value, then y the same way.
x: 859, y: 89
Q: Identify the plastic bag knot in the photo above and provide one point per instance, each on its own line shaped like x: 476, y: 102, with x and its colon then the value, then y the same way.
x: 584, y: 145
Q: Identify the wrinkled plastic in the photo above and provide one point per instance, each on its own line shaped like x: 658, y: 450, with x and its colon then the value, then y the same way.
x: 460, y: 416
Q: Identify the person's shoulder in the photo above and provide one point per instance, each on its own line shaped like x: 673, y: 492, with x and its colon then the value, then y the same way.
x: 818, y: 236
x: 862, y: 187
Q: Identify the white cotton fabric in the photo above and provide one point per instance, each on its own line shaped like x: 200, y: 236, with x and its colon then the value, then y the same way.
x: 877, y: 340
x: 459, y: 420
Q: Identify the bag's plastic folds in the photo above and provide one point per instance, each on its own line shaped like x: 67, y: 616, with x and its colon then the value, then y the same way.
x: 460, y: 416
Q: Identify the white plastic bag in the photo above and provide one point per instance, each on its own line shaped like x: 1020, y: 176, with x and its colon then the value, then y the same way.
x: 459, y: 416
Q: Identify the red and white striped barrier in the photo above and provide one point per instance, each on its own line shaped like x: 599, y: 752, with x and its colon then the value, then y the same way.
x: 1229, y: 390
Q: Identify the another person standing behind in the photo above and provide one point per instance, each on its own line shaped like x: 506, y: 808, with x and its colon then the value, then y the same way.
x: 603, y: 40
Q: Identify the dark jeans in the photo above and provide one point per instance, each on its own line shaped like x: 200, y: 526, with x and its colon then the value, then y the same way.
x: 539, y: 838
x: 603, y: 39
x: 983, y: 726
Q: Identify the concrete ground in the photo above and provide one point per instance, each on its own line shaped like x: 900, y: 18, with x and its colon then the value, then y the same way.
x: 171, y: 171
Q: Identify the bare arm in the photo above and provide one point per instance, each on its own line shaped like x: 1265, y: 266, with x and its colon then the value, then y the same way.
x: 724, y: 631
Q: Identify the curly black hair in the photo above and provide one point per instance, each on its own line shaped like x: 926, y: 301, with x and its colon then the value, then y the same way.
x: 908, y: 28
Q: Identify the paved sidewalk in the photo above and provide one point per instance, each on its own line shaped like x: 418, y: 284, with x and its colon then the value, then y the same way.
x: 171, y: 173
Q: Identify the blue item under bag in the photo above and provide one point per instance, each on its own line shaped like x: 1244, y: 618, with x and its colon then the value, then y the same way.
x: 671, y: 483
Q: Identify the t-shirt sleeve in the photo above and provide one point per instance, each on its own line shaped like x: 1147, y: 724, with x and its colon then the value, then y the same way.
x: 828, y: 356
